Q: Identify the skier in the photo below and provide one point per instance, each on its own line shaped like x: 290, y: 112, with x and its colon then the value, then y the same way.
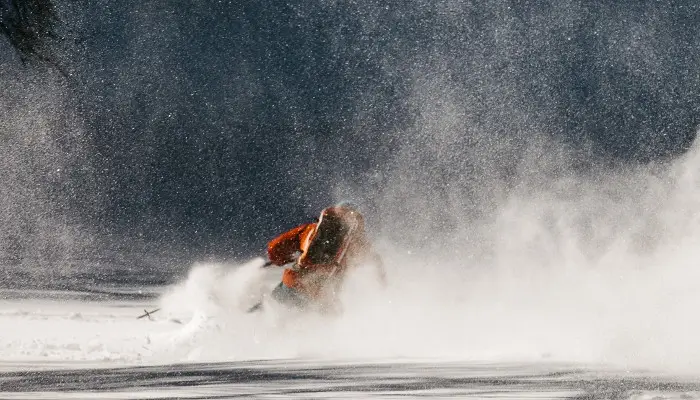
x: 327, y: 250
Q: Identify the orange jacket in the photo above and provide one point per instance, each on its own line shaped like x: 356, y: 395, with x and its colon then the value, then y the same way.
x: 282, y: 249
x: 307, y: 277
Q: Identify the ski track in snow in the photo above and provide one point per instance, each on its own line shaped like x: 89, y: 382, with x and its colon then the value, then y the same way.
x: 324, y: 379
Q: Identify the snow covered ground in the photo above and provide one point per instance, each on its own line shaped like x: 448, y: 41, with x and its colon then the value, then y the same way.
x: 202, y: 345
x: 56, y: 349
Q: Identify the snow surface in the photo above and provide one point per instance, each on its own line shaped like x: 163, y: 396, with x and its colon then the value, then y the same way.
x: 202, y: 344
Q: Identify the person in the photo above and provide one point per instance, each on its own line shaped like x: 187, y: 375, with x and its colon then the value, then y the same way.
x: 323, y: 253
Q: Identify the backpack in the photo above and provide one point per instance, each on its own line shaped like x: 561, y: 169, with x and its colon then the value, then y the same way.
x: 333, y: 236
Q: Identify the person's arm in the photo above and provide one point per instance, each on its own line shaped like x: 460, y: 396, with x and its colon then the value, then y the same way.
x: 283, y: 249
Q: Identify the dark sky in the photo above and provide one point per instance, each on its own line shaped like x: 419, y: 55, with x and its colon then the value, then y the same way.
x: 210, y: 127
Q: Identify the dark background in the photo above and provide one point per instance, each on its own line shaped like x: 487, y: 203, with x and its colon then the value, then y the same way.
x: 184, y: 131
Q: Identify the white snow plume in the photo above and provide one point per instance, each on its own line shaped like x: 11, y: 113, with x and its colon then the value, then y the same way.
x: 505, y: 242
x: 595, y: 266
x: 212, y: 303
x: 215, y: 288
x: 598, y: 266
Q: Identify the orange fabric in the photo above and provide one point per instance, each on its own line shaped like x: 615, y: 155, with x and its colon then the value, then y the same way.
x: 282, y: 249
x: 313, y: 279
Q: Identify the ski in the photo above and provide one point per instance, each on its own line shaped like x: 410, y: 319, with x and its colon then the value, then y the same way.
x: 147, y: 313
